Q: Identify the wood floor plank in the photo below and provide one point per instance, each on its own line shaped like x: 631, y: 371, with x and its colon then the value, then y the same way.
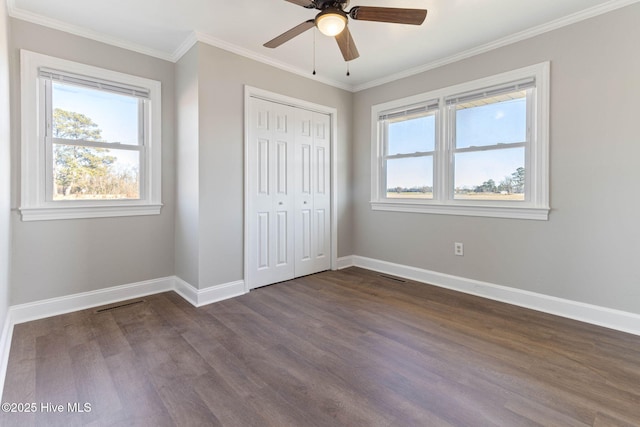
x: 20, y: 382
x: 227, y: 406
x: 109, y: 336
x: 140, y: 402
x: 340, y: 348
x: 93, y: 381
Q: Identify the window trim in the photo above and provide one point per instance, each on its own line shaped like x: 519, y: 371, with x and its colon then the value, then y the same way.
x: 537, y: 157
x: 34, y: 203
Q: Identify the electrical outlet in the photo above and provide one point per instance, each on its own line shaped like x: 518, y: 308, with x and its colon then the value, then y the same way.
x: 458, y: 249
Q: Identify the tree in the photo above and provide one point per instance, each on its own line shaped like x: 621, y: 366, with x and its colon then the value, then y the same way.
x: 518, y: 178
x: 78, y: 169
x: 506, y: 185
x: 426, y: 189
x: 69, y: 125
x: 487, y: 187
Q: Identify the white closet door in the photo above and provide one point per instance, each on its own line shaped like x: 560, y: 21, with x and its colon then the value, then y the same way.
x: 312, y: 196
x: 289, y: 200
x: 270, y: 207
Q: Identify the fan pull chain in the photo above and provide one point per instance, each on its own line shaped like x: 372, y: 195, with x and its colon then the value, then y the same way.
x: 314, y: 51
x: 348, y: 50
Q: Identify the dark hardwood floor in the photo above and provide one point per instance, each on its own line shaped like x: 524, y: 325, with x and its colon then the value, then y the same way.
x: 346, y: 348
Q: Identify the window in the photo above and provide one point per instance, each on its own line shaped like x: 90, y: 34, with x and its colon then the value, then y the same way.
x: 90, y: 141
x: 480, y: 148
x: 409, y: 142
x: 489, y: 130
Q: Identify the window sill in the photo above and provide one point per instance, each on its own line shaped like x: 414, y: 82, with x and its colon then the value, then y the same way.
x: 502, y: 211
x: 78, y: 212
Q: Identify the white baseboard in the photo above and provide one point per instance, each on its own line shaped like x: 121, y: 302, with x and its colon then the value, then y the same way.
x: 345, y: 262
x: 593, y: 314
x: 200, y: 297
x: 52, y: 307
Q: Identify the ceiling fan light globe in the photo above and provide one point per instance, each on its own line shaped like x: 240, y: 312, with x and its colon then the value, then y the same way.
x: 331, y: 24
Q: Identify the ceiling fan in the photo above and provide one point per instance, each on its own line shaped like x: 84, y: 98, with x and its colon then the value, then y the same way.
x: 332, y: 21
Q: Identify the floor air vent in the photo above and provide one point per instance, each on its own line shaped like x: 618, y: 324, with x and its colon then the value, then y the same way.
x: 117, y: 306
x: 395, y: 279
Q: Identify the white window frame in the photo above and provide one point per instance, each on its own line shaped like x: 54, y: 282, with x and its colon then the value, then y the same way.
x: 36, y: 184
x: 536, y: 204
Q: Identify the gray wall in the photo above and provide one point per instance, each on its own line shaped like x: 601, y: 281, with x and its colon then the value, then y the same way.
x: 221, y: 79
x: 588, y: 249
x: 187, y: 170
x: 58, y: 258
x: 5, y: 175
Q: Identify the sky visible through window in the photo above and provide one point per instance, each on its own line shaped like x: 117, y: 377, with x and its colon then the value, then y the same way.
x: 82, y: 172
x: 116, y: 116
x: 500, y: 122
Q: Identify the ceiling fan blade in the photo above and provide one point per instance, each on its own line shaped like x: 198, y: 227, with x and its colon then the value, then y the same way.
x: 347, y: 45
x: 288, y: 35
x: 304, y: 3
x: 389, y: 14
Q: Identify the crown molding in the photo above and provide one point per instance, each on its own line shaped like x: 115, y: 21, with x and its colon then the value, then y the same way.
x: 505, y: 41
x: 184, y: 47
x: 35, y: 18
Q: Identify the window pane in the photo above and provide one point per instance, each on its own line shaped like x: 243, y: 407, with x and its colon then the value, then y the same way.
x: 87, y: 173
x: 490, y: 175
x: 94, y: 115
x: 410, y: 178
x: 413, y: 135
x: 491, y: 121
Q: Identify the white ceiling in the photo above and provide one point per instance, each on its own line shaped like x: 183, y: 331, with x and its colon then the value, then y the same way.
x: 454, y: 29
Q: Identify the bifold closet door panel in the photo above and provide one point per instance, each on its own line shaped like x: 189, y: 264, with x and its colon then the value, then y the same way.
x: 271, y: 199
x: 312, y: 196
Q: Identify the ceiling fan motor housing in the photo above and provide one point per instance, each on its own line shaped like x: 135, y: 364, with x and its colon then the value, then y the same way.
x: 324, y: 4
